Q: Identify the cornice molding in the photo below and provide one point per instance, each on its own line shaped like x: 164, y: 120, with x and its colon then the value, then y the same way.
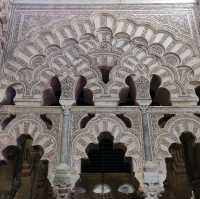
x: 103, y: 1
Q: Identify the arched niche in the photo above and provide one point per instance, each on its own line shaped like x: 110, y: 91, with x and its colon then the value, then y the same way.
x: 32, y: 124
x: 171, y: 134
x: 121, y: 134
x: 106, y: 156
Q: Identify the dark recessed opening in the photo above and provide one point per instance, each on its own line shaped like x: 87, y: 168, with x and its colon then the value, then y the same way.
x: 125, y: 119
x: 163, y: 120
x: 105, y: 73
x: 56, y: 86
x: 8, y: 99
x: 86, y: 119
x: 51, y: 96
x: 106, y: 157
x: 154, y: 85
x: 84, y: 96
x: 127, y: 95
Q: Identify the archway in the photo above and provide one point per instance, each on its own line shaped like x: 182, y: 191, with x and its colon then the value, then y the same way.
x: 117, y: 128
x: 107, y: 172
x: 183, y: 174
x: 170, y: 134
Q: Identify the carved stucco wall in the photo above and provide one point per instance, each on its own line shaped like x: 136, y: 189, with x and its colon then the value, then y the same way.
x: 183, y: 119
x: 107, y: 121
x: 73, y: 40
x: 4, y: 18
x: 146, y: 141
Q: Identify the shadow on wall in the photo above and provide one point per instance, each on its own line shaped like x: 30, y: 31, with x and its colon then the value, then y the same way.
x: 8, y: 99
x: 127, y: 95
x: 83, y: 96
x: 51, y: 97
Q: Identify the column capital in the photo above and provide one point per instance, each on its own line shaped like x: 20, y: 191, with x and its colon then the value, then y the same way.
x: 144, y: 108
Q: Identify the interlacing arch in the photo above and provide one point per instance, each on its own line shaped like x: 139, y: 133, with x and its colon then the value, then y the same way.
x: 100, y: 44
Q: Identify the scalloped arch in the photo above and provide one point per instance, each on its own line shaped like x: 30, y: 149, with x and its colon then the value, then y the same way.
x: 81, y: 45
x: 171, y: 134
x: 30, y: 125
x: 174, y: 128
x: 109, y: 123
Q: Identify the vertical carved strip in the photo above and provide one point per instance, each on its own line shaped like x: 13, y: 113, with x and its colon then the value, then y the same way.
x: 66, y: 137
x: 4, y: 5
x: 146, y: 133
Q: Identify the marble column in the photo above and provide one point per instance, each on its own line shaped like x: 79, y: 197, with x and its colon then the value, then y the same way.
x: 65, y: 157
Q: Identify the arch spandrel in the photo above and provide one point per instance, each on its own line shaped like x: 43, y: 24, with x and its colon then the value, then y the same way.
x: 82, y: 45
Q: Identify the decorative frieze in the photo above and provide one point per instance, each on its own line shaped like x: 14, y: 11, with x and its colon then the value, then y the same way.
x: 90, y: 43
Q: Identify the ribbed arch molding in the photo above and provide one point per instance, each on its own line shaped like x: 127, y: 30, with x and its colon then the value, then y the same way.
x: 81, y: 45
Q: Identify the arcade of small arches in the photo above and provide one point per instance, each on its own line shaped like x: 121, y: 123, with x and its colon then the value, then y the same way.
x: 161, y: 158
x: 105, y: 161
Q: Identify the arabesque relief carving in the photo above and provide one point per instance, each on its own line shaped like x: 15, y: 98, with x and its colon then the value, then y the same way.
x: 102, y: 45
x: 96, y: 66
